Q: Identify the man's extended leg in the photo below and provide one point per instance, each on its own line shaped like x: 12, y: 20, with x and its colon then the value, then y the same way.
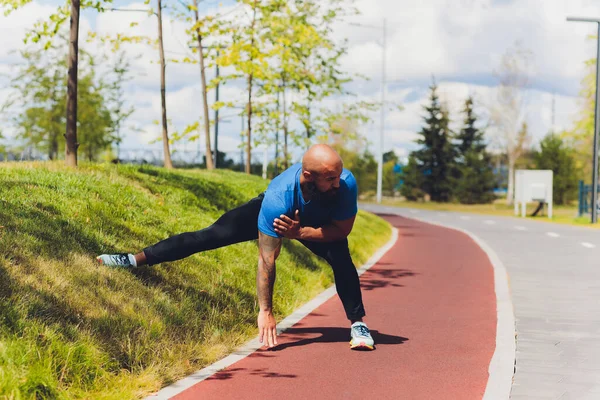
x: 235, y: 226
x: 347, y: 285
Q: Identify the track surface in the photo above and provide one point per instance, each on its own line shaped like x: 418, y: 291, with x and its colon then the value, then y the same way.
x: 431, y: 308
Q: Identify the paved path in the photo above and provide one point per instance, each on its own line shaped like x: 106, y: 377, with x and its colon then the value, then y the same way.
x: 554, y: 273
x: 432, y: 309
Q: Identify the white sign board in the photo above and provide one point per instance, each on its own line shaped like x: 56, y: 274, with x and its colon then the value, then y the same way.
x: 533, y: 185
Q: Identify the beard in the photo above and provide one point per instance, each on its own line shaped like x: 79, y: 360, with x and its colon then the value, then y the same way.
x: 328, y: 197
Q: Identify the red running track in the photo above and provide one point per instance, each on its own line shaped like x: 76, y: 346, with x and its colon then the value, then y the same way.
x: 431, y: 308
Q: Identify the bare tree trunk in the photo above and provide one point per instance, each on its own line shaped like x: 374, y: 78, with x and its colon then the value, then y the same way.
x: 508, y: 111
x: 276, y: 162
x: 511, y: 182
x: 209, y: 160
x: 53, y: 150
x: 248, y: 143
x: 71, y: 132
x: 163, y: 100
x: 250, y: 77
x: 285, y: 132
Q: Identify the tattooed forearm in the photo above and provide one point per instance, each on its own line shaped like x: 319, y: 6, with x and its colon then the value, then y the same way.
x: 265, y: 278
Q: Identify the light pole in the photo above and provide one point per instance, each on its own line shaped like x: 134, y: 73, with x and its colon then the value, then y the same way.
x: 382, y: 122
x: 596, y: 121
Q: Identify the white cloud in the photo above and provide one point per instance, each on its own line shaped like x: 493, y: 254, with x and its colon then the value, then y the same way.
x: 458, y: 41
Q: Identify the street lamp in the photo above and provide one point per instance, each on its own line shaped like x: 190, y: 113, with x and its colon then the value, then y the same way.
x: 382, y: 122
x: 596, y: 121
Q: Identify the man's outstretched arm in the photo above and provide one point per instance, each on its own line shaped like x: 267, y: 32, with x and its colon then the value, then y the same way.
x: 269, y: 248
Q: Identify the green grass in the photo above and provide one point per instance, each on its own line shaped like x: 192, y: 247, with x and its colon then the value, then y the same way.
x: 560, y: 214
x: 72, y: 329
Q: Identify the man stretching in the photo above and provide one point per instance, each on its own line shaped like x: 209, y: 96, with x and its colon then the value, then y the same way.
x: 314, y: 202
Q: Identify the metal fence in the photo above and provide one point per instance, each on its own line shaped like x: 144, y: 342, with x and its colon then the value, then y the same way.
x: 585, y: 198
x: 28, y: 154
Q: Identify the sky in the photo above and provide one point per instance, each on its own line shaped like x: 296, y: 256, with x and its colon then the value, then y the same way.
x: 459, y: 42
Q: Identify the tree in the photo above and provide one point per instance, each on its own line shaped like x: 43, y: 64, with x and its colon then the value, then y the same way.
x: 247, y: 54
x: 308, y: 59
x: 40, y: 94
x: 200, y: 30
x: 168, y: 163
x: 412, y: 180
x: 45, y: 31
x: 40, y: 88
x: 72, y: 68
x: 435, y: 157
x: 121, y: 39
x: 119, y: 108
x: 285, y: 48
x: 559, y: 158
x: 581, y: 137
x: 474, y: 181
x: 507, y: 113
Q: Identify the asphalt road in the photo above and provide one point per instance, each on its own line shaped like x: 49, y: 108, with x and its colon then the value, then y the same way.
x: 554, y: 283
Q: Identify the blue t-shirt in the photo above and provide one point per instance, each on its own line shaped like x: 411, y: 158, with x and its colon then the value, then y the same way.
x: 284, y: 196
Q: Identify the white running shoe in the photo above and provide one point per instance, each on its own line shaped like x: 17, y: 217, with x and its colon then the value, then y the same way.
x: 122, y: 260
x: 361, y: 337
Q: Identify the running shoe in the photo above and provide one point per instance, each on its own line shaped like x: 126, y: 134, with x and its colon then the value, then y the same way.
x: 122, y: 260
x: 361, y: 337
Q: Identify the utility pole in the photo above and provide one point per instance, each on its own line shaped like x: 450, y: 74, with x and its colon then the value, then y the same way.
x: 381, y: 134
x: 382, y: 122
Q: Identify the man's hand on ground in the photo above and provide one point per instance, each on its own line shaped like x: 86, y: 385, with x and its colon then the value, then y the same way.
x: 287, y: 227
x: 267, y: 328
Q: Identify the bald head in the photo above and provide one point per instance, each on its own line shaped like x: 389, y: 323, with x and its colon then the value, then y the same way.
x: 321, y: 159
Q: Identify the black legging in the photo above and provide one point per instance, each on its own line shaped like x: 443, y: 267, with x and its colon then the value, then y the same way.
x: 240, y: 225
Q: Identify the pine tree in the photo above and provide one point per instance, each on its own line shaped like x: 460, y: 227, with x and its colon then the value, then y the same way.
x: 436, y: 156
x: 474, y: 176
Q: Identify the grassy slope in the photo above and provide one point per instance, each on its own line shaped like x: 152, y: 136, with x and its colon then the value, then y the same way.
x: 72, y: 329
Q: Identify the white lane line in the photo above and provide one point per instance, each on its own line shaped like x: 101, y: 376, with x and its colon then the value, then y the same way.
x: 588, y: 245
x: 520, y: 228
x: 465, y: 217
x: 489, y: 222
x: 441, y: 214
x: 414, y: 211
x: 552, y: 234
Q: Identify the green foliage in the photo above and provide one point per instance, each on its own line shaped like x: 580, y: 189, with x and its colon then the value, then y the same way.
x: 474, y: 180
x: 436, y: 156
x: 71, y: 329
x: 477, y: 181
x: 37, y: 107
x: 361, y: 163
x: 581, y: 137
x: 45, y: 31
x: 390, y: 179
x: 413, y: 180
x: 555, y: 155
x: 287, y: 48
